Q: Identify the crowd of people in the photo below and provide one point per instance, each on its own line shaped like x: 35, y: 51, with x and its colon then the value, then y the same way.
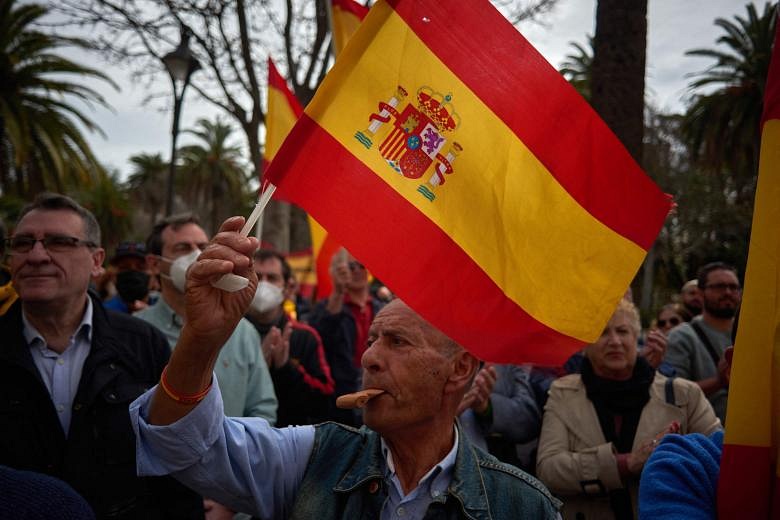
x: 244, y: 419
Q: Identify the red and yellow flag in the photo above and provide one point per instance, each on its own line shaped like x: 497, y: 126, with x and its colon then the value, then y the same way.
x: 447, y: 155
x: 283, y: 111
x: 345, y: 17
x: 749, y: 484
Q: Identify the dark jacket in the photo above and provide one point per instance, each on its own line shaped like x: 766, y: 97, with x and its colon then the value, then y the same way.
x: 98, y: 456
x: 345, y: 479
x: 338, y: 332
x: 303, y: 386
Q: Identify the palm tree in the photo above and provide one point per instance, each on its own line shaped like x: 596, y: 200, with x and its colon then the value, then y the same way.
x: 578, y: 67
x: 109, y: 202
x: 143, y: 186
x: 722, y: 126
x: 41, y: 146
x: 212, y: 176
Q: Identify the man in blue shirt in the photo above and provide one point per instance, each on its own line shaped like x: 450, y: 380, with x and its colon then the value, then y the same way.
x: 409, y: 460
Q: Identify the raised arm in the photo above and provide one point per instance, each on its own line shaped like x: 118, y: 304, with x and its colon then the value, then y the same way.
x: 212, y: 315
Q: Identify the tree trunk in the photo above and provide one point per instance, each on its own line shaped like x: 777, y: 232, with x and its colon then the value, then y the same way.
x: 300, y: 235
x: 618, y: 82
x: 276, y: 226
x: 618, y: 86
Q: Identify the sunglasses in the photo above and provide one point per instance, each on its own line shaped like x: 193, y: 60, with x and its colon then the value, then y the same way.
x: 672, y: 321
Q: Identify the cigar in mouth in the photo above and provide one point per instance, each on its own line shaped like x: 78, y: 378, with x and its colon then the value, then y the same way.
x: 357, y: 399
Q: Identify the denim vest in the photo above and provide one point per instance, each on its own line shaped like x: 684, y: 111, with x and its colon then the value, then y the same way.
x: 345, y: 479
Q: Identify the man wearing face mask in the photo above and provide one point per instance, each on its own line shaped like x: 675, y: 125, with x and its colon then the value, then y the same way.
x: 132, y: 280
x: 292, y: 350
x: 242, y: 373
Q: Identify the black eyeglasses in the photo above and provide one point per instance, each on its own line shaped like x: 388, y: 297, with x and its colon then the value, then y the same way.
x: 672, y: 321
x: 734, y: 287
x: 21, y: 244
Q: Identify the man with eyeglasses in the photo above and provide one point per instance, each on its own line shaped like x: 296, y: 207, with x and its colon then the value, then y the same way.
x: 342, y: 320
x: 292, y: 350
x: 696, y: 349
x: 69, y: 369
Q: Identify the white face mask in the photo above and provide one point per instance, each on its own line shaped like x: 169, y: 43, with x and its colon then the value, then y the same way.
x: 267, y: 297
x: 179, y: 267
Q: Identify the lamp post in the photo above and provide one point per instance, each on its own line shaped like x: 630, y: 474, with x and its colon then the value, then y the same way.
x: 180, y: 65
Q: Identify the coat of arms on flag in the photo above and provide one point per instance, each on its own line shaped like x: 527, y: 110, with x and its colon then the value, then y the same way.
x: 417, y: 137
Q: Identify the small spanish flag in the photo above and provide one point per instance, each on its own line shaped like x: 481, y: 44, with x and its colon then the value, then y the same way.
x: 283, y: 111
x: 749, y: 484
x: 447, y: 155
x: 345, y: 17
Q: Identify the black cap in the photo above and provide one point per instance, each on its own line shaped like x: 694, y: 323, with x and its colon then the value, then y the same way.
x: 125, y: 249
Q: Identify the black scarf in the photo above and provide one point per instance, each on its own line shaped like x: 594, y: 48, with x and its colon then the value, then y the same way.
x: 626, y: 399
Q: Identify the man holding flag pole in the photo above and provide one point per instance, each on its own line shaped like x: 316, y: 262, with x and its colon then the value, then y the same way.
x: 424, y: 154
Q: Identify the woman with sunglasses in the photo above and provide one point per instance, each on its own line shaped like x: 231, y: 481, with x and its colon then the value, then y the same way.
x: 669, y: 316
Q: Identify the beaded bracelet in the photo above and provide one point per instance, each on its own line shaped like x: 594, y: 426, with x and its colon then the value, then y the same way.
x: 179, y: 398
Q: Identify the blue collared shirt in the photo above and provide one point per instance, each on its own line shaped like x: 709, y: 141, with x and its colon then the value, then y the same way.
x: 252, y: 467
x: 244, y: 380
x: 431, y: 486
x: 61, y: 373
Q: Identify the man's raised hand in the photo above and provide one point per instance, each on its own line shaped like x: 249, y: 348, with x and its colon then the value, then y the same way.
x: 212, y: 313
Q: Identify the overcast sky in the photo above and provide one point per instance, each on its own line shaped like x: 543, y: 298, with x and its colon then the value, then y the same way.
x: 674, y: 26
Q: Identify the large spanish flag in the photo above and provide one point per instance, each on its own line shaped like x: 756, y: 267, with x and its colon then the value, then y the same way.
x: 447, y: 155
x: 749, y: 485
x: 345, y: 17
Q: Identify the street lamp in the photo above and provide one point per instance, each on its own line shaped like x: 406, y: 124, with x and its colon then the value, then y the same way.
x: 180, y: 65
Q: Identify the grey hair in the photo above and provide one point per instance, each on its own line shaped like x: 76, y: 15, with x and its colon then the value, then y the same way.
x: 47, y: 201
x: 633, y: 314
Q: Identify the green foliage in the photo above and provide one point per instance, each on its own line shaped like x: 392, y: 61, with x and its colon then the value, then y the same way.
x: 43, y: 147
x: 145, y: 190
x: 212, y: 177
x: 108, y: 201
x: 722, y: 125
x: 708, y: 222
x: 577, y: 68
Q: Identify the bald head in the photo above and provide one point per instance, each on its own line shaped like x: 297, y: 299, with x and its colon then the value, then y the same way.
x: 437, y: 338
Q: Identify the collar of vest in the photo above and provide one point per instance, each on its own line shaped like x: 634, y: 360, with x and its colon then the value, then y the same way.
x: 467, y: 485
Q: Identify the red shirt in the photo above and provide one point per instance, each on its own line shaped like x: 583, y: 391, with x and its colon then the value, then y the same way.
x: 363, y: 318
